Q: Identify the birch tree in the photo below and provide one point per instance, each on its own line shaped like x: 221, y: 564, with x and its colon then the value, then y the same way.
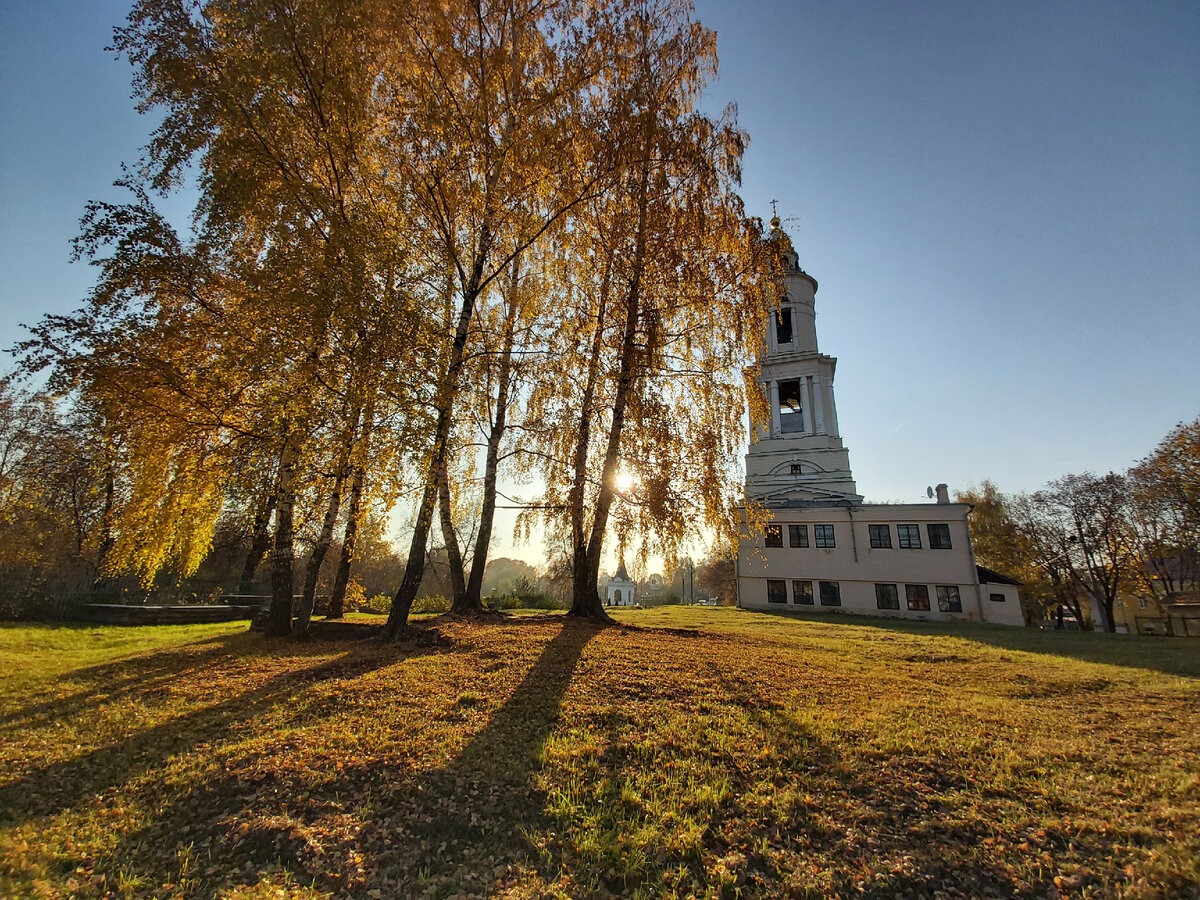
x: 667, y: 306
x: 482, y: 98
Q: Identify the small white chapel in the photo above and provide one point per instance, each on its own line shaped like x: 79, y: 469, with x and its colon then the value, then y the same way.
x: 621, y: 590
x: 822, y: 547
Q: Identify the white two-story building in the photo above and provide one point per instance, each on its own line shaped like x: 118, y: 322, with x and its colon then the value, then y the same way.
x: 822, y: 547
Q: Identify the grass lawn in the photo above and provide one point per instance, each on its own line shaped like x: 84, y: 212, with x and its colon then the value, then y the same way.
x: 699, y: 752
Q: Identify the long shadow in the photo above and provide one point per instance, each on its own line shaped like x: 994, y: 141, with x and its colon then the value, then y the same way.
x: 914, y: 823
x: 430, y: 825
x: 107, y: 682
x: 750, y: 841
x: 485, y: 798
x: 1170, y: 656
x: 58, y: 786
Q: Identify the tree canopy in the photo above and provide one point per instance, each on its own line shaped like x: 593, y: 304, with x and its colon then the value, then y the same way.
x: 436, y: 243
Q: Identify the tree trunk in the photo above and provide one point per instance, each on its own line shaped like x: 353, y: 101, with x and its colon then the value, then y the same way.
x: 586, y: 598
x: 313, y: 570
x: 472, y: 599
x: 260, y: 543
x: 414, y: 569
x: 454, y: 560
x: 279, y: 623
x: 580, y: 598
x: 103, y: 583
x: 337, y: 602
x: 1110, y: 624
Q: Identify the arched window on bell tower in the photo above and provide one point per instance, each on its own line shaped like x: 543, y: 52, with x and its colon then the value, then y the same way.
x: 791, y: 406
x: 783, y: 326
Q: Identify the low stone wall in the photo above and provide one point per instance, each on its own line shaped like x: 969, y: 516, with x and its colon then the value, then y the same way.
x: 122, y: 614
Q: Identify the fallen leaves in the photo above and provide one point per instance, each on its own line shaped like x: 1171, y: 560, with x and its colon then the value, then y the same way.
x: 522, y: 760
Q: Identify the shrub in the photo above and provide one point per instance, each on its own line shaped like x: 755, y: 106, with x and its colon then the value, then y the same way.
x: 355, y: 598
x: 532, y: 599
x: 432, y: 604
x: 380, y: 603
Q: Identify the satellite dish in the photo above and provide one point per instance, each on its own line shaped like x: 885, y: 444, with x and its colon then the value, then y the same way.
x: 929, y: 492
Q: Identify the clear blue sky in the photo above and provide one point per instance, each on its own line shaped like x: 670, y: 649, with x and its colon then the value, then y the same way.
x: 1001, y: 202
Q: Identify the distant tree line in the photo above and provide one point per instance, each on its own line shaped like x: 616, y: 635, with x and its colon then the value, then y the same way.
x: 435, y: 243
x: 1083, y: 540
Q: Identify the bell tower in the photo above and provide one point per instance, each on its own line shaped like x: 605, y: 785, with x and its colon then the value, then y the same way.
x: 797, y: 458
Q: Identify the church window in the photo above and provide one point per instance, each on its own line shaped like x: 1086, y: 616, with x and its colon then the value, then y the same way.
x: 881, y: 537
x: 949, y: 599
x: 776, y: 591
x: 797, y: 469
x: 823, y: 535
x: 783, y: 326
x: 831, y: 593
x: 918, y: 596
x: 996, y: 598
x: 802, y: 592
x: 886, y: 596
x: 939, y: 537
x: 791, y: 407
x: 908, y: 537
x: 797, y: 535
x: 774, y: 536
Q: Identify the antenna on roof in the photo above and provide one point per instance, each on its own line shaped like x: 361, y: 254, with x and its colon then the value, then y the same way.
x: 929, y: 492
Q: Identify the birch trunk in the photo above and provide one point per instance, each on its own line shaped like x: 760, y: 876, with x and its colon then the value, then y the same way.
x: 414, y: 570
x: 458, y: 585
x: 472, y: 599
x: 279, y: 623
x: 313, y: 570
x: 260, y: 543
x: 586, y: 566
x: 337, y: 601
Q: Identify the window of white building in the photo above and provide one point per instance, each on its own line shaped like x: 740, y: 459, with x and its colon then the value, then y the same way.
x: 783, y: 326
x: 886, y: 596
x: 917, y: 595
x: 939, y: 537
x: 881, y: 537
x: 908, y: 537
x: 831, y: 593
x: 948, y: 598
x: 802, y: 592
x: 797, y: 535
x: 776, y: 591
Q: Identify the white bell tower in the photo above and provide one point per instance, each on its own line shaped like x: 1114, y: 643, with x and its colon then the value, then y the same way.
x: 797, y: 458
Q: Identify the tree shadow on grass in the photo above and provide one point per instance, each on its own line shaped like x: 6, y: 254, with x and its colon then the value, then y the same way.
x: 141, y: 674
x: 781, y: 811
x: 365, y: 825
x: 1170, y: 656
x: 536, y: 797
x: 44, y: 790
x: 451, y: 821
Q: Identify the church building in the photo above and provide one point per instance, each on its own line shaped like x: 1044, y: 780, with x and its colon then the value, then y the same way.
x: 823, y: 548
x: 621, y: 590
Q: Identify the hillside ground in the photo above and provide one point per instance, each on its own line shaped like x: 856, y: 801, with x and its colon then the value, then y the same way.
x: 685, y: 752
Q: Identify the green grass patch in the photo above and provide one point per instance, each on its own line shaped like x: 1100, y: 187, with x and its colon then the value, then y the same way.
x: 704, y: 752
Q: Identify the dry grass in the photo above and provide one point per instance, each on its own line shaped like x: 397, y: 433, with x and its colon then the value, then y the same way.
x: 706, y: 753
